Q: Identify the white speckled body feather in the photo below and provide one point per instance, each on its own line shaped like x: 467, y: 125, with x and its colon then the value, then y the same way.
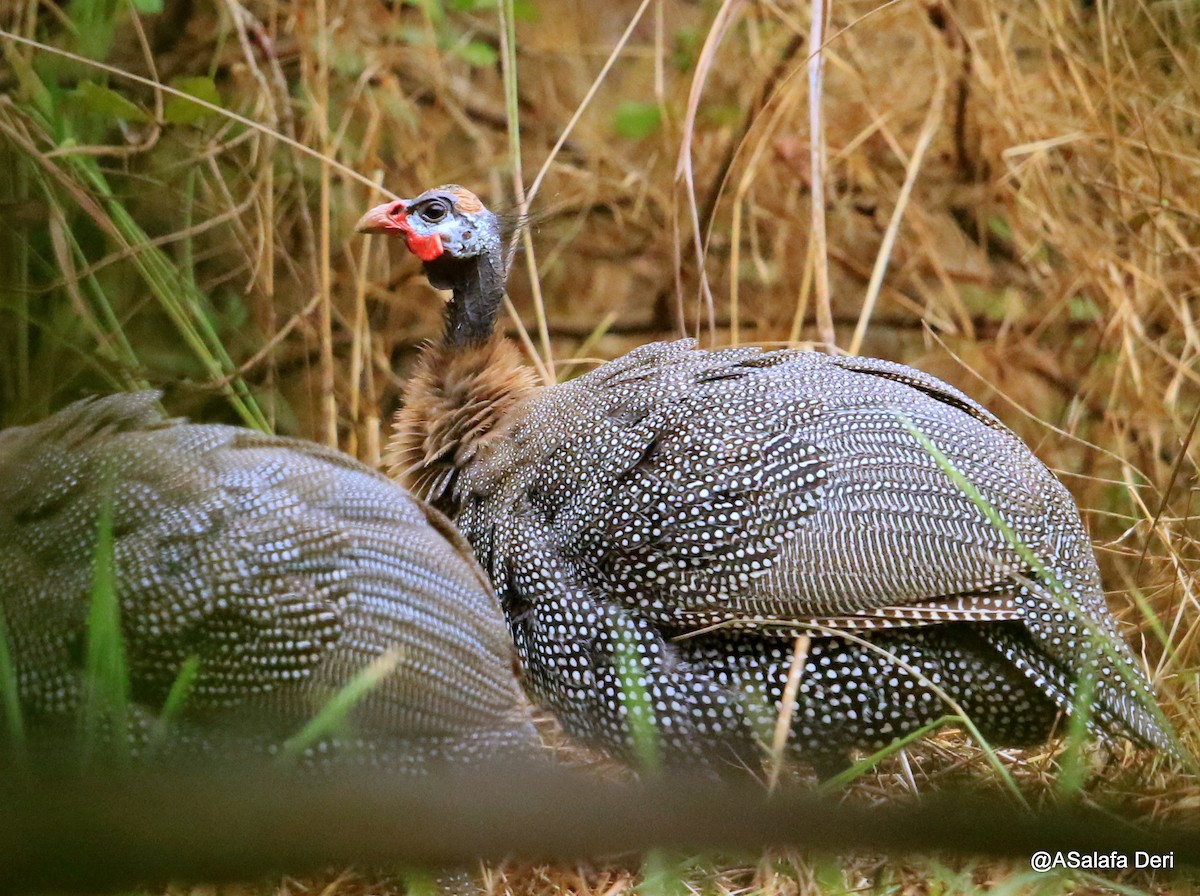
x: 284, y: 567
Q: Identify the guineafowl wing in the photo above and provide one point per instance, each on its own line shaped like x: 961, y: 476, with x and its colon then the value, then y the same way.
x: 784, y: 484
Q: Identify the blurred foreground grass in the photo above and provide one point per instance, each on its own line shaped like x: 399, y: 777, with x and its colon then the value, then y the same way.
x: 1039, y: 159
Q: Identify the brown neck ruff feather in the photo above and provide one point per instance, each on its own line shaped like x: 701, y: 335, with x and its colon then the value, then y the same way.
x: 458, y: 399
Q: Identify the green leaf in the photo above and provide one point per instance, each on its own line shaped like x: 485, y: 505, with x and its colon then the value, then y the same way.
x: 346, y: 60
x: 998, y: 305
x: 106, y: 102
x: 722, y: 114
x: 416, y: 37
x: 637, y: 120
x: 687, y: 43
x: 1083, y: 308
x: 178, y: 110
x: 148, y: 7
x: 1000, y: 227
x: 525, y: 11
x: 477, y: 53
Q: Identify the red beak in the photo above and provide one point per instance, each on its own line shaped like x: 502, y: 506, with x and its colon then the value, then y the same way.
x: 386, y: 218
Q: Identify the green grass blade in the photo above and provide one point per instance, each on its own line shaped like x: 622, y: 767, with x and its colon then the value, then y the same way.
x: 663, y: 874
x: 10, y: 698
x: 1073, y: 762
x: 331, y: 718
x: 187, y: 307
x: 177, y: 696
x: 868, y: 763
x: 181, y: 688
x: 639, y: 710
x: 105, y: 709
x: 1062, y: 595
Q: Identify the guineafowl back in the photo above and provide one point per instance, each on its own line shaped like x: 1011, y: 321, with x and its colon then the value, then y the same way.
x: 283, y: 567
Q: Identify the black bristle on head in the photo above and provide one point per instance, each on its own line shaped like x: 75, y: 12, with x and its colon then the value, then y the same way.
x: 513, y: 224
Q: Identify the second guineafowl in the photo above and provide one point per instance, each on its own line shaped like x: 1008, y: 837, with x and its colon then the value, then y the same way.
x: 283, y: 568
x: 659, y: 529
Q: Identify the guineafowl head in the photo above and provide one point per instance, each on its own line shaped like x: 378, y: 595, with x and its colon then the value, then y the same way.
x: 459, y: 241
x: 447, y: 221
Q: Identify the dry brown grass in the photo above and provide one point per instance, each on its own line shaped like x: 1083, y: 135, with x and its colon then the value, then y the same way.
x: 1039, y: 161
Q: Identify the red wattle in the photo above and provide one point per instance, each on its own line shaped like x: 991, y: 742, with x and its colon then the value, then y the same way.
x: 426, y: 248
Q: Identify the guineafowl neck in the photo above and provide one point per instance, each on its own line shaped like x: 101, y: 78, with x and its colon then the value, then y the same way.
x: 478, y: 287
x: 463, y: 392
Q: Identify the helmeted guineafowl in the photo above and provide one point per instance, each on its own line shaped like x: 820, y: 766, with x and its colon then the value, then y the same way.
x: 285, y: 568
x: 692, y: 510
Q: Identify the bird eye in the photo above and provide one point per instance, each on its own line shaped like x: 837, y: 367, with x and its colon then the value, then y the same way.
x: 434, y: 212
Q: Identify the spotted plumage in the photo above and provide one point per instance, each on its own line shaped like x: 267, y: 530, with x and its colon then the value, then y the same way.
x: 284, y: 567
x: 697, y: 509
